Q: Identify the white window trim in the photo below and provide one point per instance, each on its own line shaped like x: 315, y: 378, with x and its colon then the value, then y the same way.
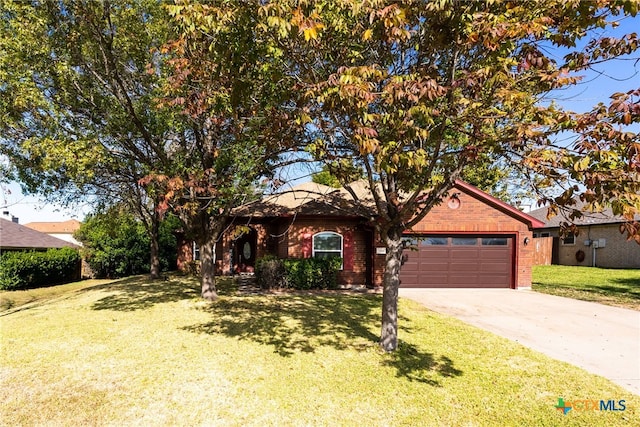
x: 340, y: 252
x: 195, y: 250
x: 564, y: 243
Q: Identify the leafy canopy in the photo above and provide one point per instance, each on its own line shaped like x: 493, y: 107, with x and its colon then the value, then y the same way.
x: 419, y: 93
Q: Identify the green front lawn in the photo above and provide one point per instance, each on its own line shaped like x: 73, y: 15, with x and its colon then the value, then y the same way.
x: 17, y: 300
x: 615, y: 287
x: 154, y: 353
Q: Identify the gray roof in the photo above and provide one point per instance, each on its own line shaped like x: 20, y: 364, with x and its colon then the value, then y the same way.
x: 605, y: 216
x: 15, y: 236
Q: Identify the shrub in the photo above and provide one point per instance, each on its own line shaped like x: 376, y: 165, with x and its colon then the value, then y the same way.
x: 27, y: 270
x: 115, y: 244
x: 298, y: 273
x: 270, y: 273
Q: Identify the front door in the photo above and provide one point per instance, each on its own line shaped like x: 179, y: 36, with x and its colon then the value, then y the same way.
x: 245, y: 252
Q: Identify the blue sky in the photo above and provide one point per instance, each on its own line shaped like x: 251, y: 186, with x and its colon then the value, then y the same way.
x: 616, y: 76
x: 619, y: 75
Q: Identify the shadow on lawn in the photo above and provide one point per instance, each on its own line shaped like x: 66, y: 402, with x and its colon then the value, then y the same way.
x: 288, y: 323
x: 625, y: 290
x: 295, y: 322
x: 139, y: 293
x: 419, y: 366
x: 304, y: 323
x: 630, y: 281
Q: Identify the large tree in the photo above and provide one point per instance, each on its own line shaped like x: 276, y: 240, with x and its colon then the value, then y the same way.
x: 228, y: 87
x: 417, y: 92
x: 105, y: 99
x: 77, y: 120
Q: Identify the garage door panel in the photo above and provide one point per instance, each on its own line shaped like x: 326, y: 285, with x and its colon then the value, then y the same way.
x: 433, y: 261
x: 411, y: 266
x: 464, y: 254
x: 462, y: 280
x: 494, y: 255
x: 460, y: 266
x: 432, y: 264
x: 486, y: 279
x: 425, y: 275
x: 435, y: 279
x: 412, y: 280
x: 429, y: 254
x: 488, y: 267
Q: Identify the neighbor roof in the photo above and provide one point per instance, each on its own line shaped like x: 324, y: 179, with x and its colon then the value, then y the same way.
x: 62, y: 227
x: 16, y: 236
x: 605, y: 216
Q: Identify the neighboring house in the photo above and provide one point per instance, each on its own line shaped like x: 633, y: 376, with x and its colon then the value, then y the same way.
x: 16, y: 237
x: 471, y: 240
x: 599, y: 242
x: 62, y: 230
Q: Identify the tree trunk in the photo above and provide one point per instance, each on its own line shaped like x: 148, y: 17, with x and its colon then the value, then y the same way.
x: 208, y: 269
x: 155, y: 246
x: 389, y: 334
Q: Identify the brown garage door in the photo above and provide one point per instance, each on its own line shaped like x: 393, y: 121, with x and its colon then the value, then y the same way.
x: 458, y: 261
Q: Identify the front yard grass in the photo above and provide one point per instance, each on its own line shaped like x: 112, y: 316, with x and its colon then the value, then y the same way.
x: 13, y: 300
x: 154, y: 353
x: 620, y: 288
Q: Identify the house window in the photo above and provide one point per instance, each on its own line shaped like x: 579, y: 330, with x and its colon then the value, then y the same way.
x: 569, y: 239
x: 196, y: 252
x: 327, y: 245
x: 545, y: 234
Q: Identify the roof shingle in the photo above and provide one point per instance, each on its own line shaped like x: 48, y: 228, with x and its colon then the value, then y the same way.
x: 16, y: 236
x: 605, y: 216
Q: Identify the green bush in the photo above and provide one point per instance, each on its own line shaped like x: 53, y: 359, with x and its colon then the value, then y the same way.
x: 27, y: 270
x: 270, y: 273
x: 296, y: 273
x: 115, y: 244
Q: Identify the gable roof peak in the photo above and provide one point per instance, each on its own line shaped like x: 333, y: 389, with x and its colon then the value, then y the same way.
x: 514, y: 212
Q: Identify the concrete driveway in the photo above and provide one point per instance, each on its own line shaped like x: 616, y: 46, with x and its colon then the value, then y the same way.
x: 600, y: 339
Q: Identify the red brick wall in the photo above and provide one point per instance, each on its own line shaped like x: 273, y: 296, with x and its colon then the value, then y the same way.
x: 378, y: 262
x: 473, y: 215
x: 304, y: 228
x: 282, y: 239
x: 185, y: 252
